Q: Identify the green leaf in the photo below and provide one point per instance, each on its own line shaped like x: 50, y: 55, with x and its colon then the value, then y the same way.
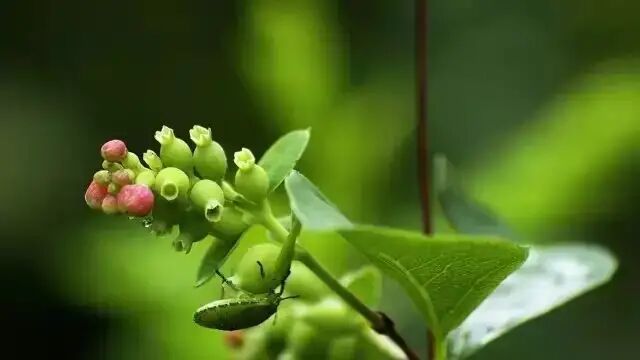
x: 283, y: 155
x: 447, y: 276
x: 214, y: 258
x: 311, y: 207
x: 552, y: 276
x: 464, y: 214
x: 365, y: 283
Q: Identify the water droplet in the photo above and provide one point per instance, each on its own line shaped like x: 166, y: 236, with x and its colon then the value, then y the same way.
x: 147, y: 222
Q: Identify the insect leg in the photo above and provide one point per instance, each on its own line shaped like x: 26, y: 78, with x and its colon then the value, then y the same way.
x: 226, y: 281
x: 283, y: 282
x: 261, y: 269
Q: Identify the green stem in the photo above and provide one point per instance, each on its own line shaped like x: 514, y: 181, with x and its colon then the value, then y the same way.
x: 272, y: 224
x: 379, y: 321
x: 441, y: 350
x: 288, y: 250
x: 374, y: 318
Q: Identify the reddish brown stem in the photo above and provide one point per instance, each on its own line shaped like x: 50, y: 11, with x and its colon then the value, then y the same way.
x: 422, y: 135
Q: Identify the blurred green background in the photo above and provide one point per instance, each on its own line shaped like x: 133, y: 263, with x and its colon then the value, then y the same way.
x: 536, y: 102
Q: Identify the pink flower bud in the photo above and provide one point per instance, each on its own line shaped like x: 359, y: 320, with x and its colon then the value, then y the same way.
x: 110, y: 205
x: 123, y: 177
x: 135, y: 200
x: 114, y: 150
x: 95, y: 194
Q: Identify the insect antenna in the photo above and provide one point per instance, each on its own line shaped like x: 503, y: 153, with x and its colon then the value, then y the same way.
x: 261, y: 269
x: 283, y: 283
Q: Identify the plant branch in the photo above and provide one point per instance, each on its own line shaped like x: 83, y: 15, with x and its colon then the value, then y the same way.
x: 380, y: 322
x: 422, y: 134
x: 421, y: 108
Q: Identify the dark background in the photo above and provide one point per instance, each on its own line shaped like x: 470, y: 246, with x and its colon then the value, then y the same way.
x: 536, y: 102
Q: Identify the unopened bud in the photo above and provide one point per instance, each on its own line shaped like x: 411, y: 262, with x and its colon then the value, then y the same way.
x: 132, y: 161
x: 123, y: 177
x: 152, y: 160
x: 95, y: 194
x: 231, y: 224
x: 113, y: 189
x: 135, y: 200
x: 102, y: 177
x: 244, y: 159
x: 208, y: 196
x: 209, y: 158
x: 114, y: 150
x: 172, y: 183
x: 110, y: 205
x: 111, y: 166
x: 146, y: 177
x: 174, y: 151
x: 251, y: 179
x: 333, y: 316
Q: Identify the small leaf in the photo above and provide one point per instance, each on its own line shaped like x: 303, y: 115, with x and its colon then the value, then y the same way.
x: 365, y: 283
x: 447, y: 276
x: 282, y: 156
x: 311, y: 207
x: 464, y: 214
x: 214, y: 258
x: 552, y: 276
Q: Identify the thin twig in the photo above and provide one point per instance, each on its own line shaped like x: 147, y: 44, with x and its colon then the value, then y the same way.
x: 422, y: 135
x: 389, y: 330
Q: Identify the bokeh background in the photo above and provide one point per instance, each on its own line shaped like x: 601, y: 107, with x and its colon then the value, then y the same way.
x: 536, y: 102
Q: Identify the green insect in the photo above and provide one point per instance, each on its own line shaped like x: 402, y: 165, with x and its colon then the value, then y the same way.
x: 239, y: 313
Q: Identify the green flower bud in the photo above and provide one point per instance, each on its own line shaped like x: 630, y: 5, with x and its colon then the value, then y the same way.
x: 174, y: 152
x: 231, y: 224
x: 251, y: 179
x: 146, y: 177
x: 344, y: 348
x: 132, y: 161
x: 111, y: 166
x: 304, y: 283
x: 123, y: 177
x: 254, y: 270
x: 333, y: 316
x: 193, y: 228
x: 172, y: 183
x: 113, y: 189
x: 208, y: 196
x: 306, y: 342
x: 152, y: 160
x: 102, y: 177
x: 209, y: 158
x: 110, y: 205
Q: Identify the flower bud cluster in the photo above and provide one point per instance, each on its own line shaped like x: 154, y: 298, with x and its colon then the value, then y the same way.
x: 113, y: 189
x: 317, y: 326
x: 177, y: 185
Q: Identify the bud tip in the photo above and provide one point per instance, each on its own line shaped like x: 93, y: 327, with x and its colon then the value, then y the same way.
x: 244, y: 159
x: 114, y: 150
x: 95, y: 194
x: 135, y: 200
